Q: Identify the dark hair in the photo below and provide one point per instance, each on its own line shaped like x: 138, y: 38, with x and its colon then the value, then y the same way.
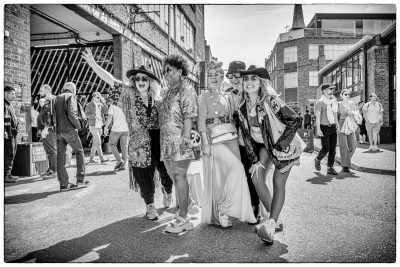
x: 8, y: 89
x: 177, y: 61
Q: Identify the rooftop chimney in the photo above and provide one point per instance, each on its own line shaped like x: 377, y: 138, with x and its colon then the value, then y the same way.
x: 298, y: 20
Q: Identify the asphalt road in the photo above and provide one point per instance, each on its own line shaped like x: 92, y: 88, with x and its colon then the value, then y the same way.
x: 347, y: 218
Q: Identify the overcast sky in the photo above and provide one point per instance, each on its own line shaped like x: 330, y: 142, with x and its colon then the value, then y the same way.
x: 249, y: 32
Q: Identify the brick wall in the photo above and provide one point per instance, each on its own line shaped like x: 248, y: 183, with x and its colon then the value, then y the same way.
x: 17, y: 62
x: 126, y: 55
x: 378, y: 76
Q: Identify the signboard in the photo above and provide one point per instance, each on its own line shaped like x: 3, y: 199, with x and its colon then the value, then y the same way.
x: 38, y: 153
x: 308, y: 137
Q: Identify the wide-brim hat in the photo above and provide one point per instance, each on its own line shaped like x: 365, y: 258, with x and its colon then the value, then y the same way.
x: 260, y: 72
x: 236, y: 66
x: 142, y: 69
x: 326, y: 86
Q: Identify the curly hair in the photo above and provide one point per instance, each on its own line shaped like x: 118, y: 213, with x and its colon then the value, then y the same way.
x: 215, y: 65
x: 177, y: 61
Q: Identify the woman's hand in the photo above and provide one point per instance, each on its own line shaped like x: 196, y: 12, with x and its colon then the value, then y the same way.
x: 185, y: 143
x: 88, y: 55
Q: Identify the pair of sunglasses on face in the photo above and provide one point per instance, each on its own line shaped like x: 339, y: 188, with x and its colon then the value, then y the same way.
x: 167, y: 70
x: 143, y: 79
x: 245, y: 78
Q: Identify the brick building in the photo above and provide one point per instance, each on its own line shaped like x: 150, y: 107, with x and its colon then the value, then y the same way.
x: 43, y: 44
x: 300, y: 53
x: 369, y: 66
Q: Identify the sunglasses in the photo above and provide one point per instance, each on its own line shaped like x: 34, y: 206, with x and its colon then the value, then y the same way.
x: 167, y: 70
x: 232, y: 75
x: 143, y: 79
x: 252, y: 78
x: 371, y: 96
x: 346, y: 94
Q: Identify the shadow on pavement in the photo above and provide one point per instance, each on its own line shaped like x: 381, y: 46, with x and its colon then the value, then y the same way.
x: 139, y: 240
x: 25, y: 198
x: 325, y: 179
x: 29, y: 180
x: 99, y: 173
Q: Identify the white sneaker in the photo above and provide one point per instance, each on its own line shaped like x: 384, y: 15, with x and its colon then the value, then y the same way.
x: 167, y: 198
x: 151, y: 212
x: 224, y: 220
x: 266, y: 231
x: 279, y: 225
x: 179, y: 225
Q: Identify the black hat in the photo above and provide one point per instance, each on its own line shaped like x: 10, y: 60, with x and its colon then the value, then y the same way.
x: 260, y: 72
x: 326, y: 86
x: 236, y: 66
x: 142, y: 69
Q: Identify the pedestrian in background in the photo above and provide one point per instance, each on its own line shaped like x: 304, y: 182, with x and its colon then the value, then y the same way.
x: 10, y: 134
x: 307, y: 120
x: 34, y: 116
x: 46, y: 127
x: 67, y: 125
x: 347, y: 139
x: 94, y: 112
x: 301, y: 120
x: 235, y: 80
x: 326, y: 110
x: 137, y: 100
x: 177, y: 110
x: 361, y: 126
x: 226, y: 194
x: 116, y: 120
x: 373, y: 114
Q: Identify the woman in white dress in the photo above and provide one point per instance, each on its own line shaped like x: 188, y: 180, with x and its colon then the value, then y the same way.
x: 226, y: 193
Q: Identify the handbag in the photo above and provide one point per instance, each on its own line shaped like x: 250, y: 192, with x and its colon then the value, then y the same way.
x: 225, y: 131
x: 292, y: 151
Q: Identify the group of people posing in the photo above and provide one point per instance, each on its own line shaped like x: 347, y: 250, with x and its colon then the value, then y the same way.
x: 245, y: 131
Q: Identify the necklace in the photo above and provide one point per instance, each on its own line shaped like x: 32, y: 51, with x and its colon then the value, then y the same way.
x: 252, y: 107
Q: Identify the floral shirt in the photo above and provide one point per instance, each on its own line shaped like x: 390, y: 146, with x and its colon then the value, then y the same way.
x: 178, y: 104
x: 140, y: 120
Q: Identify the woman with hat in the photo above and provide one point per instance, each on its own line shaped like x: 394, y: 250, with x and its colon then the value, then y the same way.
x: 138, y: 103
x: 269, y: 133
x: 226, y: 193
x: 177, y: 110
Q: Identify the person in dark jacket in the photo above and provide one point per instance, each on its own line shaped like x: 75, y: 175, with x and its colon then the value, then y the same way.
x: 67, y: 125
x: 10, y: 134
x: 269, y: 133
x: 307, y: 120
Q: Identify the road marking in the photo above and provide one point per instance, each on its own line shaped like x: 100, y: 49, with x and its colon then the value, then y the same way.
x: 175, y: 257
x: 92, y: 255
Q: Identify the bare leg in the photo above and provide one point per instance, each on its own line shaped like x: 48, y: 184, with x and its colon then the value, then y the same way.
x: 260, y: 180
x: 178, y: 171
x: 278, y: 199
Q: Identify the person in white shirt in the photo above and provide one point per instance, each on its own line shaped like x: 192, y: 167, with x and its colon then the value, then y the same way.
x: 34, y: 116
x: 119, y: 132
x: 373, y: 114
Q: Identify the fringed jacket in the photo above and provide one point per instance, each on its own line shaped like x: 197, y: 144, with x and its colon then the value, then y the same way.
x: 284, y: 114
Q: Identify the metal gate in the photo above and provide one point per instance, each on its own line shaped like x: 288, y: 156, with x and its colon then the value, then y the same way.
x: 57, y: 65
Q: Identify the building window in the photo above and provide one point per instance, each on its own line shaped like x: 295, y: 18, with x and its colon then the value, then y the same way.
x: 333, y: 51
x: 313, y: 78
x: 349, y: 74
x: 338, y: 27
x: 185, y: 33
x: 313, y: 51
x: 172, y: 21
x: 372, y: 26
x: 161, y: 17
x: 291, y: 97
x: 290, y: 80
x: 290, y: 54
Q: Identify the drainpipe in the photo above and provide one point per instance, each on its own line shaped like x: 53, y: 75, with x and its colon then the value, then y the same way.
x: 365, y: 73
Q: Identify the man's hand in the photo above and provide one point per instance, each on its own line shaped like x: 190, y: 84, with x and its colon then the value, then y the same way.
x: 319, y: 132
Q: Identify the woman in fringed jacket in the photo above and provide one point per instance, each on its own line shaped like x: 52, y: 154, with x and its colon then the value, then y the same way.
x: 269, y: 132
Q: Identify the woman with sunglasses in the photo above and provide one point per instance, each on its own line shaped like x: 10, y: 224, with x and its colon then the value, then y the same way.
x: 137, y: 100
x: 269, y: 131
x: 177, y: 110
x: 347, y: 138
x: 226, y: 193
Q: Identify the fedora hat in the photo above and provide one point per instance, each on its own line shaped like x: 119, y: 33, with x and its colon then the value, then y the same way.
x: 142, y: 69
x: 260, y: 72
x: 326, y: 86
x: 236, y: 66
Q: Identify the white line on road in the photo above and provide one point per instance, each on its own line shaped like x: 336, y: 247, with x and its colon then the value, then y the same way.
x: 175, y: 257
